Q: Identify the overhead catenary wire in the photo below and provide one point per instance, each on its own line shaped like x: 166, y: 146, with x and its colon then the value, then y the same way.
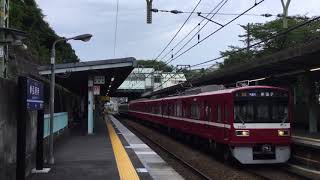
x: 176, y: 34
x: 255, y: 44
x: 221, y: 14
x: 217, y: 8
x: 202, y: 40
x: 225, y: 1
x: 205, y: 18
x: 197, y: 26
x: 264, y: 40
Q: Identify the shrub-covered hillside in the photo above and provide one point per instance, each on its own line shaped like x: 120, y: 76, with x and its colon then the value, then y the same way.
x: 27, y: 16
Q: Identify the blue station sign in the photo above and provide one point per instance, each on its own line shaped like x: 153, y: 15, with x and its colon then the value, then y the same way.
x: 34, y: 94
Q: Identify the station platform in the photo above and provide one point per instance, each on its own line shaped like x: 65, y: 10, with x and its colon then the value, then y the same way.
x: 113, y: 152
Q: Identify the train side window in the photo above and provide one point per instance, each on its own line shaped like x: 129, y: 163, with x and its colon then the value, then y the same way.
x: 184, y: 112
x: 179, y: 109
x: 208, y: 112
x: 187, y: 110
x: 195, y: 113
x: 164, y: 109
x: 218, y: 113
x: 226, y: 113
x: 169, y: 109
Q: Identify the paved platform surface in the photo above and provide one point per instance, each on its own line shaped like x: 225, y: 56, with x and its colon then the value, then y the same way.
x: 113, y: 152
x: 82, y: 157
x: 152, y: 162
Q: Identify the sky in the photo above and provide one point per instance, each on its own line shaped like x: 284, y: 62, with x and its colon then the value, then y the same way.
x: 136, y: 38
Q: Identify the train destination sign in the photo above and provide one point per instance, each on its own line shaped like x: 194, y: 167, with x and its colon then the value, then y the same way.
x: 34, y: 94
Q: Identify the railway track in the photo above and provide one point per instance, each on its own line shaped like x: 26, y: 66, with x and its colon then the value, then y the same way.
x: 184, y: 163
x: 204, y: 165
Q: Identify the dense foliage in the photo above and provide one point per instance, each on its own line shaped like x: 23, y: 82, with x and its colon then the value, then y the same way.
x: 259, y: 31
x: 26, y: 16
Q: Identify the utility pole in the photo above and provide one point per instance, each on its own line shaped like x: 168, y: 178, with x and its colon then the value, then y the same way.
x: 149, y: 12
x: 4, y: 23
x: 285, y: 7
x: 248, y: 38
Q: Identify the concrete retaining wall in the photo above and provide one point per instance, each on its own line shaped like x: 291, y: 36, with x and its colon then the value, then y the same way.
x: 8, y: 131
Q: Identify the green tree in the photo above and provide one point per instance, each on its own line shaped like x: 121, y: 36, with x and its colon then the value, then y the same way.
x: 28, y: 17
x: 259, y: 31
x: 157, y: 65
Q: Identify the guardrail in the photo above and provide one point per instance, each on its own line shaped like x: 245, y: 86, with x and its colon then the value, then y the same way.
x: 60, y: 122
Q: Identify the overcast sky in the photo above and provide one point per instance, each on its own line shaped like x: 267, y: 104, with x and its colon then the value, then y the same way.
x: 145, y: 41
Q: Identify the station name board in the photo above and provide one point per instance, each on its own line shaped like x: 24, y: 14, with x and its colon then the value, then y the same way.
x: 34, y: 94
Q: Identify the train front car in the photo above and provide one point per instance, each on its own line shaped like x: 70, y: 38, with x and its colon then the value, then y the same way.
x: 261, y: 127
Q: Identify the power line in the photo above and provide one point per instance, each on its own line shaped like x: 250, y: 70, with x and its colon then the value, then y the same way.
x: 256, y: 4
x: 264, y: 40
x: 222, y: 14
x: 177, y: 31
x: 172, y: 59
x: 196, y: 27
x: 115, y: 30
x: 260, y: 42
x: 168, y: 60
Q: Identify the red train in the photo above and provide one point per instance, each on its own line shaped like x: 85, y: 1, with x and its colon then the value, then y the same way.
x: 251, y: 124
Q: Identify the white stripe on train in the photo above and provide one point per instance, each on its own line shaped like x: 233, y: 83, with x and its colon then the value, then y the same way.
x: 222, y: 125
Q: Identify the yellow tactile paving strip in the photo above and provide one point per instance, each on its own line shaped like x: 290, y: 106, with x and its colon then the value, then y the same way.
x: 124, y: 164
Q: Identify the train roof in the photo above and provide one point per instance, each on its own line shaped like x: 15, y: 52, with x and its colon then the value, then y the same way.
x: 224, y: 91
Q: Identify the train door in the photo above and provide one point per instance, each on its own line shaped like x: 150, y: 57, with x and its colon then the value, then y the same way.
x: 207, y: 115
x: 219, y: 120
x: 226, y: 121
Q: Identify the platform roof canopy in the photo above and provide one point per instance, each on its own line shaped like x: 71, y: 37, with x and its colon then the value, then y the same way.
x: 74, y: 76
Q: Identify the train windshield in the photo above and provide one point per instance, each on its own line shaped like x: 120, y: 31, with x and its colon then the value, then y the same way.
x: 261, y: 112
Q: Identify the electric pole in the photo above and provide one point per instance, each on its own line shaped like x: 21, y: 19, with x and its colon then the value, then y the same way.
x: 285, y: 7
x: 149, y: 12
x: 4, y: 23
x: 248, y: 38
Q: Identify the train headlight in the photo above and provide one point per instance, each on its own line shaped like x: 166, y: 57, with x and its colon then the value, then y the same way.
x: 283, y: 133
x: 242, y: 133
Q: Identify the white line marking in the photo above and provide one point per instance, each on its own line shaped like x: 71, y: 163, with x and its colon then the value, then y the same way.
x: 141, y: 170
x: 222, y: 125
x: 145, y: 152
x: 139, y: 146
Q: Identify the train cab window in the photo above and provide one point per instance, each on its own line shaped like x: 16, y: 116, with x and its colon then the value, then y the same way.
x: 195, y: 113
x: 218, y: 113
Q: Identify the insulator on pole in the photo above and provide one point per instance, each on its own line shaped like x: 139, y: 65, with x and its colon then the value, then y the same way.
x: 198, y: 32
x: 171, y: 53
